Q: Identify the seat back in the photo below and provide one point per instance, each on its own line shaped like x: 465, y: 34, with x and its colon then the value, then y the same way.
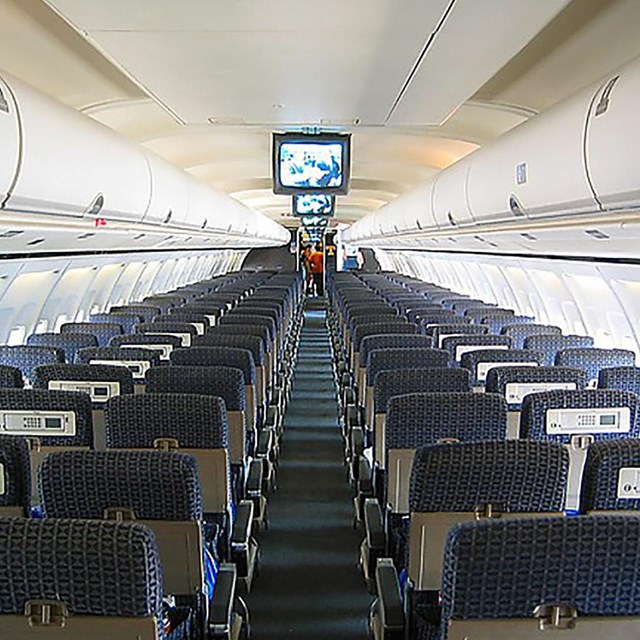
x: 520, y: 332
x: 417, y: 419
x: 481, y: 361
x: 161, y: 326
x: 515, y: 578
x: 124, y: 319
x: 458, y: 345
x: 146, y: 312
x: 158, y: 489
x: 69, y: 581
x: 621, y: 378
x: 15, y: 477
x: 453, y: 483
x: 496, y: 321
x: 69, y: 343
x: 222, y: 382
x: 549, y: 345
x: 163, y: 344
x: 10, y: 377
x: 103, y: 331
x: 137, y: 360
x: 593, y: 360
x: 28, y: 357
x: 445, y: 330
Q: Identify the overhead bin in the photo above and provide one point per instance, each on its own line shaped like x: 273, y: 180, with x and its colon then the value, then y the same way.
x: 72, y: 165
x: 576, y: 158
x: 169, y: 201
x: 10, y: 136
x: 612, y: 138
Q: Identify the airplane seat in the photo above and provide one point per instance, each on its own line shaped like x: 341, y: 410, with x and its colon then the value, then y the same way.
x: 519, y: 332
x: 577, y: 419
x: 15, y: 477
x: 146, y: 312
x: 455, y: 483
x: 10, y: 377
x: 497, y: 320
x: 481, y: 361
x: 27, y: 357
x: 477, y: 313
x: 164, y: 301
x: 159, y: 490
x: 415, y: 420
x: 438, y: 332
x: 125, y: 320
x: 444, y: 316
x: 610, y: 477
x: 163, y: 344
x: 103, y: 331
x: 69, y: 343
x: 463, y: 343
x: 49, y: 420
x: 560, y: 579
x: 514, y: 383
x: 162, y: 325
x: 621, y: 378
x: 69, y: 581
x: 549, y: 345
x: 593, y: 360
x: 138, y: 360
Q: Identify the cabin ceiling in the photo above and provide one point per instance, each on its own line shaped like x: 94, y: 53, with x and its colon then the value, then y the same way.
x: 204, y: 82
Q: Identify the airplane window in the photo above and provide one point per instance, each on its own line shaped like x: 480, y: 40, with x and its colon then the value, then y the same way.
x: 17, y: 335
x: 42, y: 326
x: 60, y: 320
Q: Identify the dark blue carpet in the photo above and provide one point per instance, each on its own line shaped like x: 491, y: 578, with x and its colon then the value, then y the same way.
x: 309, y: 586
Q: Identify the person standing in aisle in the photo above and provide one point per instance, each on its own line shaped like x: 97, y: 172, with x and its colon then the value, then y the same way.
x: 306, y: 267
x: 316, y: 264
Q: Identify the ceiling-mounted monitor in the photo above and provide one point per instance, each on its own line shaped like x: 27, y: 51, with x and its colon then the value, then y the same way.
x: 318, y: 204
x: 305, y: 163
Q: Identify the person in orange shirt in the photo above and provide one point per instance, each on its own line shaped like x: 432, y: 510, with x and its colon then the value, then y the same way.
x: 316, y: 264
x: 304, y: 259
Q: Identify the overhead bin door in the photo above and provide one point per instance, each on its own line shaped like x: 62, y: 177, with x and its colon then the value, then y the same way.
x: 612, y: 140
x: 169, y: 192
x: 72, y: 165
x: 450, y: 198
x: 10, y: 136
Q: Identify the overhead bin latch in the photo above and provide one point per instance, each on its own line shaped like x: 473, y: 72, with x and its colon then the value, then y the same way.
x: 603, y: 104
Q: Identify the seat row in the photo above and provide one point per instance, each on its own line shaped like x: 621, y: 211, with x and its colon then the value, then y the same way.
x: 412, y: 390
x: 191, y: 449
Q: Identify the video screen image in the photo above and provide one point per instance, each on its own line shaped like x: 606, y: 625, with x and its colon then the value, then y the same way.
x: 311, y: 164
x: 314, y: 203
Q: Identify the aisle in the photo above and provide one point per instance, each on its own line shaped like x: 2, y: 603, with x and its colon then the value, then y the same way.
x: 309, y: 587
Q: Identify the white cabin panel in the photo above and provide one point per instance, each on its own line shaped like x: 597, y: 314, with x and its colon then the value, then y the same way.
x: 10, y: 136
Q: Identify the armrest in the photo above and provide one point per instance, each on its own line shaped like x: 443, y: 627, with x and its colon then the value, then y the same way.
x: 365, y: 480
x: 254, y: 479
x: 389, y: 599
x: 271, y: 416
x: 221, y: 607
x: 357, y: 441
x: 265, y: 443
x: 241, y: 532
x: 374, y: 525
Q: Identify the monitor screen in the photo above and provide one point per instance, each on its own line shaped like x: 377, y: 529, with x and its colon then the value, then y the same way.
x: 305, y: 163
x: 313, y: 204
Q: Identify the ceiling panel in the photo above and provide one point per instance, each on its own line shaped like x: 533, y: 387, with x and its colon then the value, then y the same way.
x: 477, y: 39
x: 318, y: 62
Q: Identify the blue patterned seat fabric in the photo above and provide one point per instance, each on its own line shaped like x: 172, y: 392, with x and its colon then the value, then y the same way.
x: 536, y: 405
x: 499, y: 377
x: 496, y: 321
x: 83, y: 372
x: 161, y: 324
x: 405, y: 381
x: 80, y: 562
x: 451, y: 343
x: 453, y: 328
x: 85, y: 356
x: 125, y: 320
x: 520, y: 332
x: 593, y: 360
x: 103, y: 331
x: 621, y: 378
x: 195, y: 421
x: 551, y: 344
x: 361, y: 331
x: 418, y: 419
x: 146, y: 312
x: 410, y: 358
x: 235, y: 317
x: 69, y: 343
x: 497, y: 569
x: 478, y: 313
x: 39, y: 400
x: 154, y: 485
x: 28, y: 357
x: 227, y: 330
x: 145, y: 338
x: 217, y: 356
x: 10, y: 377
x: 393, y: 340
x: 472, y: 359
x: 225, y: 382
x: 15, y: 468
x: 515, y: 476
x: 601, y: 479
x: 253, y: 344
